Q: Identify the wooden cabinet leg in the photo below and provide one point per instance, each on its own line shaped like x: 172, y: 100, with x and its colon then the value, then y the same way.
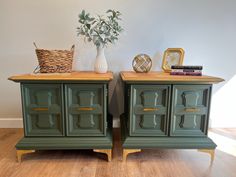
x: 19, y: 153
x: 126, y: 152
x: 209, y: 151
x: 108, y: 152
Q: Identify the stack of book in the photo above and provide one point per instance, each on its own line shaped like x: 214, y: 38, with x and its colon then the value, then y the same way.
x: 186, y: 70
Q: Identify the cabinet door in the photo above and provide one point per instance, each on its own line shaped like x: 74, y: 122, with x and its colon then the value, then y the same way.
x: 190, y: 110
x: 149, y: 110
x: 86, y: 109
x: 42, y: 109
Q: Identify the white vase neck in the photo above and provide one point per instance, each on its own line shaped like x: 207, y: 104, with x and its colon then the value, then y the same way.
x: 100, y: 48
x: 100, y: 51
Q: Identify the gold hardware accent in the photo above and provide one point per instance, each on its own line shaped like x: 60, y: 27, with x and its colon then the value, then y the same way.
x: 108, y: 152
x: 19, y: 154
x: 167, y: 63
x: 40, y: 109
x: 209, y: 151
x: 126, y: 152
x: 86, y: 109
x: 150, y: 109
x: 192, y: 109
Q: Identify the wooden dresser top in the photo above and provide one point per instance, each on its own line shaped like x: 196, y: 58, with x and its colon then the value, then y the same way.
x: 74, y: 76
x: 131, y: 76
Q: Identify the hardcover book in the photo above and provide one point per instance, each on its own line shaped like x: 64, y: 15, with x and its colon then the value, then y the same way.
x: 186, y: 73
x: 186, y: 67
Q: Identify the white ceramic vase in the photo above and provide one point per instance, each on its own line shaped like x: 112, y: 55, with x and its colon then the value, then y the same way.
x: 101, y: 62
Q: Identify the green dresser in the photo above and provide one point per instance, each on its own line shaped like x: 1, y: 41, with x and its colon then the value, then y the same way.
x: 65, y: 111
x: 164, y: 111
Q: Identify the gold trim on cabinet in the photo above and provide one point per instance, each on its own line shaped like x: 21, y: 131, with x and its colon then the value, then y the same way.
x: 150, y: 109
x: 126, y: 152
x: 40, y: 109
x: 209, y: 151
x: 20, y: 153
x: 191, y: 110
x: 86, y: 109
x: 108, y: 152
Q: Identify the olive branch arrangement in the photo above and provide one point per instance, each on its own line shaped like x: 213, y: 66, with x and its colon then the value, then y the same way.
x: 101, y: 30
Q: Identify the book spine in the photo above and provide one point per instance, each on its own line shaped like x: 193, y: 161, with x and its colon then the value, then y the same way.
x: 186, y: 67
x: 186, y: 70
x: 187, y: 73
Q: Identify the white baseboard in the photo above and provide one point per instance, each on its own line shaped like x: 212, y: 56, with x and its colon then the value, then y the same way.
x: 116, y: 122
x: 210, y: 123
x: 11, y: 123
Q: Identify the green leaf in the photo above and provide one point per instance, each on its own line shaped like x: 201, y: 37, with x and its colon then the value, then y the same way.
x: 81, y: 15
x: 90, y: 39
x: 91, y: 19
x: 88, y: 26
x: 83, y: 12
x: 108, y: 11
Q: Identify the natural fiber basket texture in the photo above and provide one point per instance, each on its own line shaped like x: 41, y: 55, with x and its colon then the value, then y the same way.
x: 55, y: 61
x: 142, y: 63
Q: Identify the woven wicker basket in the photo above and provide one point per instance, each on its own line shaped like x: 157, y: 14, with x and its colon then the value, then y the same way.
x: 54, y: 61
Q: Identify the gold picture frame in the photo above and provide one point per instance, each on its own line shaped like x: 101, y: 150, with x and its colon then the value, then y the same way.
x: 172, y: 56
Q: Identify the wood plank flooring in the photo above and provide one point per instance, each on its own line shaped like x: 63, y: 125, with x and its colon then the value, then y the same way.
x: 148, y: 163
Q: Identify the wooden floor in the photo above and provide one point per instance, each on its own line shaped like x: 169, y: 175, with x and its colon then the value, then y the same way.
x: 148, y: 163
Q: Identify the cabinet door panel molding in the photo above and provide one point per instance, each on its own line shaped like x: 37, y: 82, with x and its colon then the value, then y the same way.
x: 164, y: 111
x: 65, y: 111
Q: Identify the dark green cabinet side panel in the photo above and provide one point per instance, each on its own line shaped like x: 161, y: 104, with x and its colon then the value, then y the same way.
x: 42, y: 109
x: 190, y: 110
x: 85, y: 109
x: 149, y: 110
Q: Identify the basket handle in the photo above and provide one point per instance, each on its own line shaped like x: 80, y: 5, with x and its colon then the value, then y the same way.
x: 35, y: 45
x: 72, y: 47
x: 37, y: 70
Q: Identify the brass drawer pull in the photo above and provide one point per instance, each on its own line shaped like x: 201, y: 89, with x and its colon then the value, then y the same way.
x: 192, y: 110
x: 40, y: 109
x: 150, y: 109
x: 86, y: 109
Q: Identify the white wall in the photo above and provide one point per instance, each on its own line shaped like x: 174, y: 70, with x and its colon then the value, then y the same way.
x: 204, y: 28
